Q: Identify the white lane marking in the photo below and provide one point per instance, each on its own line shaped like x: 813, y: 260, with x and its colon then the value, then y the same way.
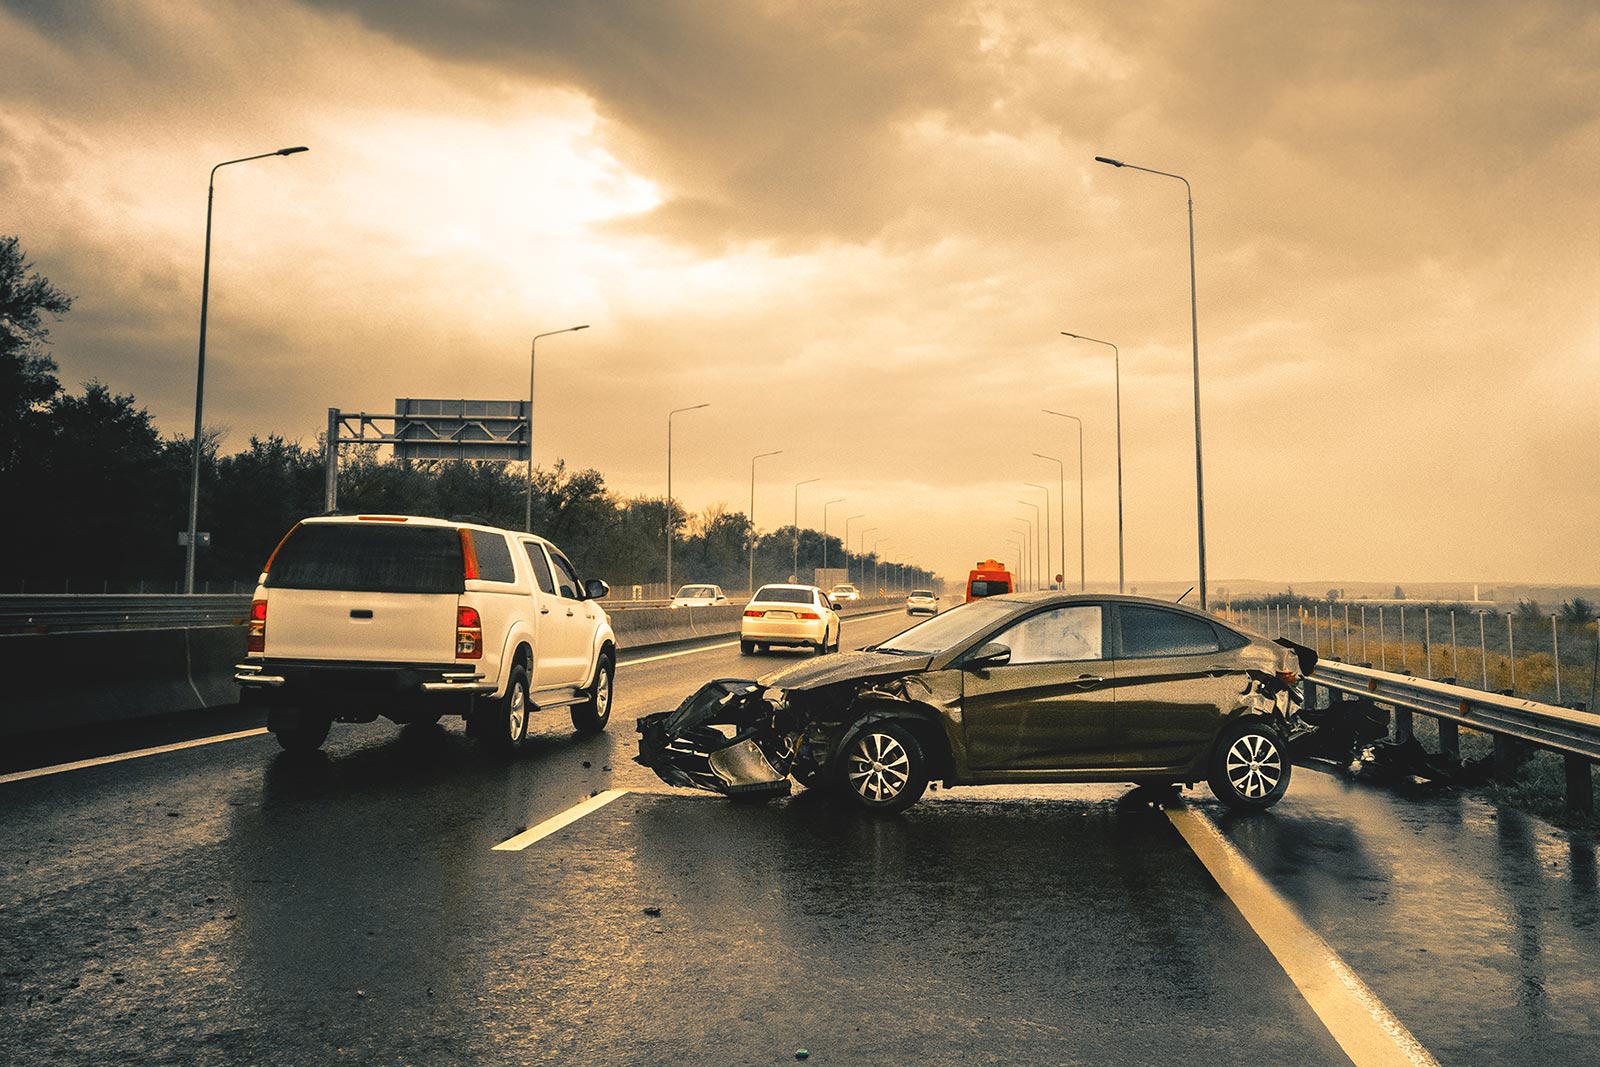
x: 671, y: 655
x: 1367, y: 1031
x: 98, y: 761
x: 727, y: 644
x: 557, y: 822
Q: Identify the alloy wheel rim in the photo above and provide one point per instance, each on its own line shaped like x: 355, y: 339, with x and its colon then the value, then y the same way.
x: 602, y: 694
x: 879, y: 767
x: 1254, y: 767
x: 518, y: 718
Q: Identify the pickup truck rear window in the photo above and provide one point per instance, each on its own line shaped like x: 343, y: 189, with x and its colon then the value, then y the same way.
x: 370, y: 558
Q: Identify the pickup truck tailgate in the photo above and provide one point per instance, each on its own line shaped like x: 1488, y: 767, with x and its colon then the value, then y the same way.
x: 356, y: 627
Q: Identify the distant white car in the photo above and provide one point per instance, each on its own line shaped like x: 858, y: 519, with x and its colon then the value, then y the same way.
x: 922, y: 601
x: 799, y: 616
x: 699, y: 596
x: 844, y: 591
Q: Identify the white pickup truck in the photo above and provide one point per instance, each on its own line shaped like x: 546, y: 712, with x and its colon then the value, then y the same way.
x: 415, y: 618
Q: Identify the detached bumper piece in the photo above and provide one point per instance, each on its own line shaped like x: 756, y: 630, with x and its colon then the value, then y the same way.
x: 724, y: 739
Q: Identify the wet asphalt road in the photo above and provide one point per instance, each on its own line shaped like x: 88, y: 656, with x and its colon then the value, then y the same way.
x: 228, y: 904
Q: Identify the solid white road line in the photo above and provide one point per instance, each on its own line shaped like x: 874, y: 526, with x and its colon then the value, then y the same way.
x: 62, y: 768
x: 566, y: 818
x: 1367, y: 1031
x: 673, y: 655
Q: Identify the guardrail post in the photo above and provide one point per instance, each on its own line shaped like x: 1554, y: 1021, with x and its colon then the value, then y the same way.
x: 1449, y: 732
x: 1580, y: 786
x: 1402, y: 725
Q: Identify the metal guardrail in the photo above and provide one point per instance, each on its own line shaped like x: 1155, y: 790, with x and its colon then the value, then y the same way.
x: 1564, y: 730
x: 1573, y: 733
x: 49, y: 612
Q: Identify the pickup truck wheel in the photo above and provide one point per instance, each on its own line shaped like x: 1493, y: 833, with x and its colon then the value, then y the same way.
x: 506, y: 726
x: 302, y: 733
x: 591, y: 716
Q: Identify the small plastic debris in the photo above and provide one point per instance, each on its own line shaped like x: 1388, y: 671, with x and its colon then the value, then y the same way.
x: 594, y: 792
x: 653, y: 910
x: 587, y: 764
x: 801, y: 1054
x: 606, y: 767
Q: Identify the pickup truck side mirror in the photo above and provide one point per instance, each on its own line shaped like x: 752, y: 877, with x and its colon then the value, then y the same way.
x: 595, y: 589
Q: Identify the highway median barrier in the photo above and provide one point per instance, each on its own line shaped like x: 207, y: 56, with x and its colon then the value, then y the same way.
x: 71, y: 679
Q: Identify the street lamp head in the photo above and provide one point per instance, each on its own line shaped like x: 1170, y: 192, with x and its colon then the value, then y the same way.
x: 1105, y: 159
x: 291, y: 151
x: 1064, y: 333
x: 585, y: 326
x: 1052, y: 459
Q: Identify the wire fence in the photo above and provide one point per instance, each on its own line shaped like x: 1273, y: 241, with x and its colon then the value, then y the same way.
x: 1542, y: 657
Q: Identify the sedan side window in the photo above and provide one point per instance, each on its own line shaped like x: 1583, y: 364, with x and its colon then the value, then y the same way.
x: 541, y: 567
x: 1150, y: 632
x: 1062, y: 635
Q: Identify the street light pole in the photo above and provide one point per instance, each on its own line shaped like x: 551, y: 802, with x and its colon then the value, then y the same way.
x: 752, y: 516
x: 1061, y: 508
x: 200, y: 370
x: 869, y: 529
x: 1018, y: 546
x: 825, y: 507
x: 1038, y: 523
x: 1028, y: 543
x: 847, y: 523
x: 671, y: 533
x: 1116, y: 359
x: 527, y: 510
x: 1046, y: 524
x: 1083, y: 573
x: 1194, y: 327
x: 795, y: 574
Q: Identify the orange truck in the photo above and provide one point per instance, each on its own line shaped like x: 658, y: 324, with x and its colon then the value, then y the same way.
x: 988, y: 578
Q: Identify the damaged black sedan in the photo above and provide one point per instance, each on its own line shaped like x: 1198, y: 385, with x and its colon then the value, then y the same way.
x: 1036, y: 687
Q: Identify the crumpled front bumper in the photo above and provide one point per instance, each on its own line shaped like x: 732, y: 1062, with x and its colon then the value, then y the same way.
x: 724, y: 738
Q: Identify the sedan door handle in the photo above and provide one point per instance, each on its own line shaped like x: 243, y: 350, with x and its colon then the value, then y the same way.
x: 544, y: 611
x: 569, y: 613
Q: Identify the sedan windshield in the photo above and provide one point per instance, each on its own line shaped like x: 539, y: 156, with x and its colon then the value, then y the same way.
x: 694, y: 591
x: 945, y: 631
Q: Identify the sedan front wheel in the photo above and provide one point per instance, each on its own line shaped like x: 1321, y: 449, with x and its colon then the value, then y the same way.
x: 1250, y: 766
x: 882, y: 768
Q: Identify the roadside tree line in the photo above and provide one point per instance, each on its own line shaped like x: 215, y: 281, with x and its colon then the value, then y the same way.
x: 96, y: 495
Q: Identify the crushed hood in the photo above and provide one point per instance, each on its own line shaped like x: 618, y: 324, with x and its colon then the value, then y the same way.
x: 846, y: 667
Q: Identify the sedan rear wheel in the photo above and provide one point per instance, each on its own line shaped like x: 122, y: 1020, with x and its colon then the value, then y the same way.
x: 882, y: 768
x: 1250, y: 768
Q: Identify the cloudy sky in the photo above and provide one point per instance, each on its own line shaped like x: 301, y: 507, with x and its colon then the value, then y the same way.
x: 857, y: 230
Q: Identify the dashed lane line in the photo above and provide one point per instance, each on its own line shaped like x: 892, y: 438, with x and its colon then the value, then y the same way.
x: 100, y: 761
x: 558, y: 822
x: 1367, y: 1031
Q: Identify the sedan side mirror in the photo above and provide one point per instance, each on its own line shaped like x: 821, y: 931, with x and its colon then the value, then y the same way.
x: 993, y: 654
x: 595, y: 589
x: 834, y: 604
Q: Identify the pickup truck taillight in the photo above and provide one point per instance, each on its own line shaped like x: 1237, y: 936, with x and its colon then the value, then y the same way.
x: 256, y: 636
x: 469, y: 634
